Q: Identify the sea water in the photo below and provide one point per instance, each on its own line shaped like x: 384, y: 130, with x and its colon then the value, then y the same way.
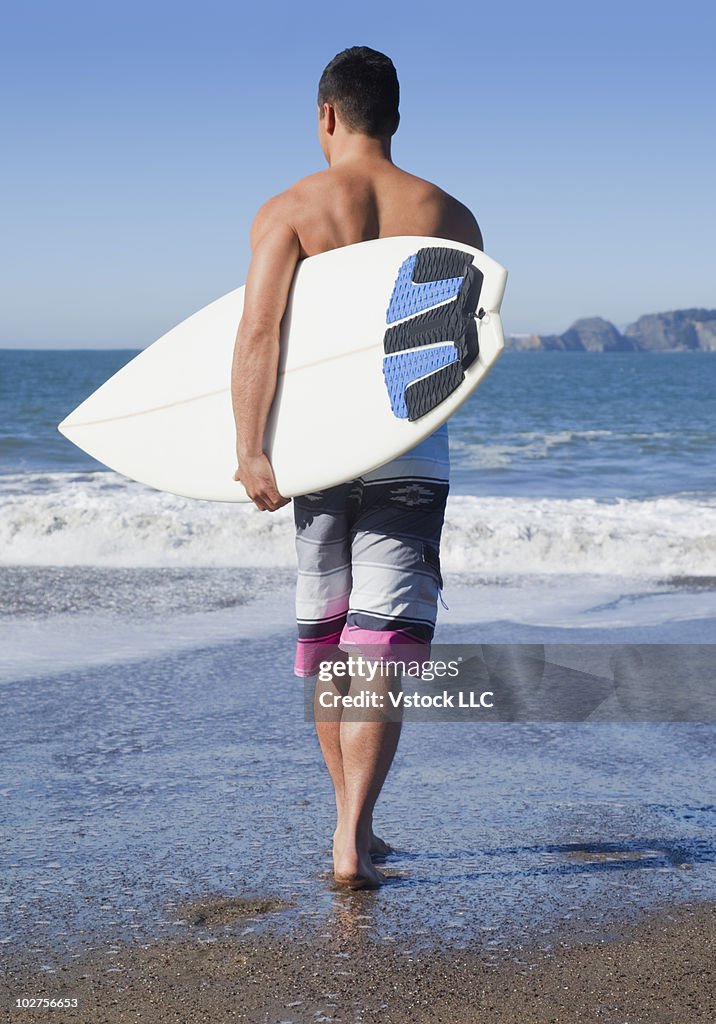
x: 593, y: 470
x: 153, y: 737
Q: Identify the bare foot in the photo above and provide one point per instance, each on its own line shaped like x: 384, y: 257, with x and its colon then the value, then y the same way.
x: 352, y: 866
x: 379, y: 847
x: 371, y: 879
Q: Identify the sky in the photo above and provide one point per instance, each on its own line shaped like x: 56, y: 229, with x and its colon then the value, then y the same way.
x: 139, y: 139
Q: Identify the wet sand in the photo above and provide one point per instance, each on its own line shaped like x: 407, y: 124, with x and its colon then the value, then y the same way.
x: 166, y: 824
x: 658, y: 969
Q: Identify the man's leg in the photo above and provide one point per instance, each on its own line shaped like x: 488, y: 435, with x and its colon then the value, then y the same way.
x: 395, y: 581
x: 361, y: 745
x: 328, y: 729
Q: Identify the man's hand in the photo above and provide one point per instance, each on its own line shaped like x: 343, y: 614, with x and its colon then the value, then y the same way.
x: 256, y: 474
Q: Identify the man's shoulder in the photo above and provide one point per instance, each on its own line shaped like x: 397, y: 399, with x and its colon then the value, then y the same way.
x: 312, y: 184
x: 447, y: 203
x: 423, y: 188
x: 286, y: 205
x: 448, y: 217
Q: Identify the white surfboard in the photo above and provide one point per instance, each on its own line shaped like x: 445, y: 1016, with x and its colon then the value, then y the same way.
x: 381, y: 342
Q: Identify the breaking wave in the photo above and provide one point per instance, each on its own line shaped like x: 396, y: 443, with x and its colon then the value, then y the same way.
x: 104, y: 520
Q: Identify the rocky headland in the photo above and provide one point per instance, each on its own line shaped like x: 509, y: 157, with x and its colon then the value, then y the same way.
x: 681, y: 330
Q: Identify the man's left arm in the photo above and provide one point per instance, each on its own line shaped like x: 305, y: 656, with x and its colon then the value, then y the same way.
x: 275, y: 250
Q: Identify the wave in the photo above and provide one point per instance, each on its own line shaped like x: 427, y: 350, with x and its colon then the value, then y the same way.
x: 477, y: 452
x: 480, y: 453
x: 101, y: 519
x: 629, y: 537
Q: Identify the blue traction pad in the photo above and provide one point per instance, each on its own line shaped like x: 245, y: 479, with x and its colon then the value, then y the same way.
x: 409, y: 298
x: 402, y: 368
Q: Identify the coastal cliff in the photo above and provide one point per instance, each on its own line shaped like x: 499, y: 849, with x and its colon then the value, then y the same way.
x: 681, y: 330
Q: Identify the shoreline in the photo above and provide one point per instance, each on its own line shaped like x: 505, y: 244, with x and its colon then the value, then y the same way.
x: 654, y: 967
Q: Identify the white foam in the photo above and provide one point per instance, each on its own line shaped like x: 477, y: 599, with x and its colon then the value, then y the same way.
x: 584, y: 603
x: 623, y: 538
x: 524, y: 445
x: 101, y: 519
x: 47, y: 647
x: 44, y: 648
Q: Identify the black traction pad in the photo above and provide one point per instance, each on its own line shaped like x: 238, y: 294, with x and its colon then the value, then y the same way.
x: 449, y: 322
x: 423, y: 395
x: 437, y: 263
x: 453, y: 321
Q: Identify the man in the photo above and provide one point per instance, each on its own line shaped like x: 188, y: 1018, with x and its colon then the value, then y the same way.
x: 368, y: 550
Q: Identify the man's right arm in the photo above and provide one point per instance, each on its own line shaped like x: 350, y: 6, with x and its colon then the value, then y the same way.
x: 275, y: 252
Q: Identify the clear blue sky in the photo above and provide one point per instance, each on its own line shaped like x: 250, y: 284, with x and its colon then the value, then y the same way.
x: 141, y: 137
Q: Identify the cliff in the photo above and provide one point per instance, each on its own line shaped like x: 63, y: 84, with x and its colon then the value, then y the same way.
x: 682, y: 330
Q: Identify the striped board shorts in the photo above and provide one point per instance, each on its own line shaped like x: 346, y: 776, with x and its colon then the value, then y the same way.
x: 369, y: 557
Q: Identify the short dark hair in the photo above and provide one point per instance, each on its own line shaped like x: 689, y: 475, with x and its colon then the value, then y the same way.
x: 363, y: 85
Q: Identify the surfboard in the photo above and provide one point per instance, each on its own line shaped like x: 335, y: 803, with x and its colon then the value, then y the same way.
x: 380, y: 343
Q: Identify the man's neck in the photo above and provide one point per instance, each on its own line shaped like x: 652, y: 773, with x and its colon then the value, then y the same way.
x: 352, y: 146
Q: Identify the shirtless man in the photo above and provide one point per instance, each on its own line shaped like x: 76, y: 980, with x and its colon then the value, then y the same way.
x: 385, y: 526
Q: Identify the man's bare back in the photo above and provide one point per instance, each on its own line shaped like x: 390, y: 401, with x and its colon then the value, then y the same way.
x: 361, y: 198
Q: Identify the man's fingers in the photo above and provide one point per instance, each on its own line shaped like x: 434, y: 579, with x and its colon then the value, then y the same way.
x: 275, y: 499
x: 260, y: 484
x: 263, y: 501
x: 271, y: 502
x: 271, y: 505
x: 262, y: 492
x: 278, y: 500
x: 260, y: 500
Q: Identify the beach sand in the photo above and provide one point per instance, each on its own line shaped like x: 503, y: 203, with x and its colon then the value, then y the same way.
x: 660, y: 968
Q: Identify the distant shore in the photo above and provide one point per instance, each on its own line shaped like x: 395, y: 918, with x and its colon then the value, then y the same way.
x: 680, y: 330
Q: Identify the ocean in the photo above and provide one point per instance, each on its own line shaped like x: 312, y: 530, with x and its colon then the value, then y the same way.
x: 153, y: 731
x: 594, y: 471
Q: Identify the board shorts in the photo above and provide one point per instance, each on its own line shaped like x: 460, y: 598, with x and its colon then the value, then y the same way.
x: 369, y: 558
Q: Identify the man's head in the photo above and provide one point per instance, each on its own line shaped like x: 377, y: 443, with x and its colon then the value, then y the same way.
x: 359, y: 90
